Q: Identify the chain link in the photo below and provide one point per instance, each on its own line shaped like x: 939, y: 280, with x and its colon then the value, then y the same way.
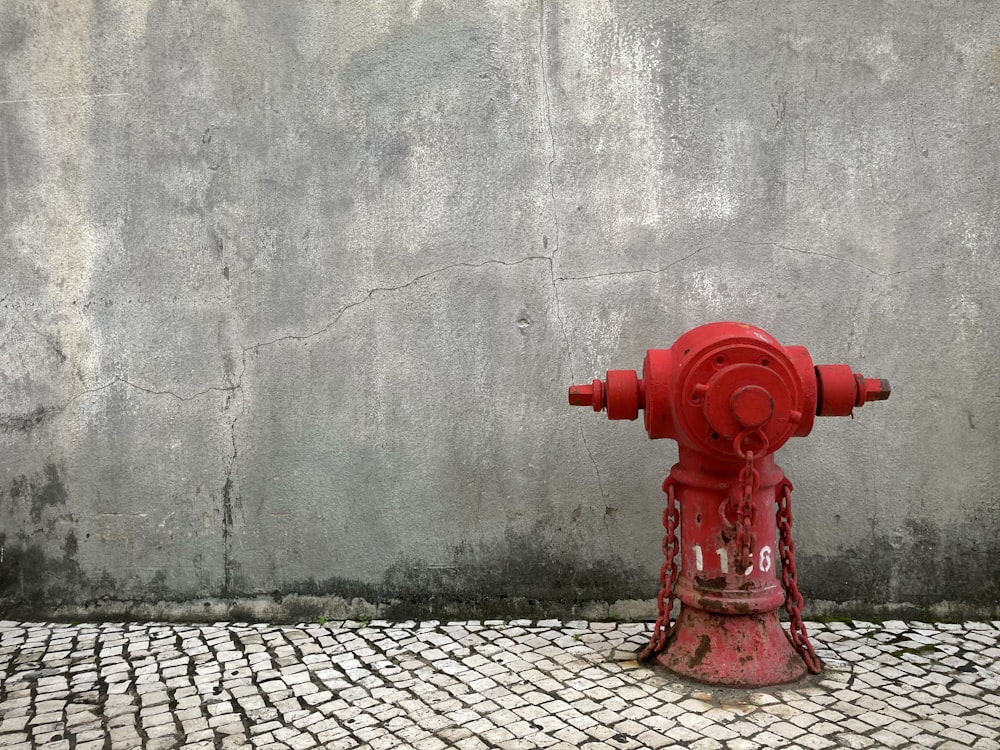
x: 668, y: 577
x: 743, y: 501
x: 793, y: 598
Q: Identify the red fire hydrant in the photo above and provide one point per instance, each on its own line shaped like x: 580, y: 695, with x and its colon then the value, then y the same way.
x: 730, y: 395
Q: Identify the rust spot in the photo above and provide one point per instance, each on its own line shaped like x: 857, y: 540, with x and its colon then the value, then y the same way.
x: 718, y: 583
x: 704, y: 646
x: 794, y: 662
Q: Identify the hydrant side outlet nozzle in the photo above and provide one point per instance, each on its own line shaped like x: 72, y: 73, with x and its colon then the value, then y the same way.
x: 624, y: 395
x: 841, y: 390
x: 730, y: 395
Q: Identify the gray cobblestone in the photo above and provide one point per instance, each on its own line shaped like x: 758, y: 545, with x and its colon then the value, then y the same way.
x: 478, y: 685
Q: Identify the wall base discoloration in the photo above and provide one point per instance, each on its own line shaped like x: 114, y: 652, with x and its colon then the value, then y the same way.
x: 295, y: 608
x: 916, y: 566
x: 518, y: 577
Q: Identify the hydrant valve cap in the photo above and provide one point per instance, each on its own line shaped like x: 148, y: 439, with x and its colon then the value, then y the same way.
x: 751, y: 405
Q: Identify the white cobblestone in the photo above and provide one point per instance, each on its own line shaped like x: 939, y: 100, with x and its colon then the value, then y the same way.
x: 477, y: 684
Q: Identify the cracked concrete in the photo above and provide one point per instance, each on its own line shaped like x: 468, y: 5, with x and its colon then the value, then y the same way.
x: 543, y: 65
x: 367, y: 296
x: 292, y: 296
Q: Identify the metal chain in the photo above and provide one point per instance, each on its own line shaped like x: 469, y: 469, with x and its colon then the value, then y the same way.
x: 793, y: 599
x: 748, y: 481
x: 668, y: 577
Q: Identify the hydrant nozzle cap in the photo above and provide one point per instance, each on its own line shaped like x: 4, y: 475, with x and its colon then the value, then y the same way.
x: 873, y: 389
x: 588, y: 395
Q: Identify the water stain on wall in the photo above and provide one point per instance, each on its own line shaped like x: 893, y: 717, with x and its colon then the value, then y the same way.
x: 523, y: 574
x: 38, y: 563
x: 913, y: 565
x: 29, y: 577
x: 29, y: 421
x: 39, y: 491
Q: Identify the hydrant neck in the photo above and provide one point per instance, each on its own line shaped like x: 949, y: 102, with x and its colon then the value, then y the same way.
x: 699, y: 469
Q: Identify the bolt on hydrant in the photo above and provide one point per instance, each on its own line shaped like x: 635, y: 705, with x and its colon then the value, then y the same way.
x: 730, y: 395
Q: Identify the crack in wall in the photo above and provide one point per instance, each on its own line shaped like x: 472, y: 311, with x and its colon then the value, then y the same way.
x: 14, y: 421
x: 384, y: 290
x: 546, y: 97
x: 227, y: 495
x: 48, y: 338
x: 635, y: 271
x: 556, y: 246
x: 42, y: 414
x: 841, y: 259
x: 227, y: 513
x: 787, y: 248
x: 228, y: 484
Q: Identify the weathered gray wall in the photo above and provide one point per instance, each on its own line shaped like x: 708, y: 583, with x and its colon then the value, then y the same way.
x: 291, y: 292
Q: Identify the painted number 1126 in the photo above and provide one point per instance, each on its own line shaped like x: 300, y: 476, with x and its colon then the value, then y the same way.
x: 764, y: 561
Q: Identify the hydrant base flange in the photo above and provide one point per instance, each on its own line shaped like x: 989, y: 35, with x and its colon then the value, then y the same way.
x: 745, y: 651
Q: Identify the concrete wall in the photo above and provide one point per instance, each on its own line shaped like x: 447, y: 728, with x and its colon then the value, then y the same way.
x: 291, y: 293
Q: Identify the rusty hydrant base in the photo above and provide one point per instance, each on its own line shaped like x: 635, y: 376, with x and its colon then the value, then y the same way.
x: 745, y: 651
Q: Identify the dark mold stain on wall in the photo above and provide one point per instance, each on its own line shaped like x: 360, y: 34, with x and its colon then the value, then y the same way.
x: 30, y: 577
x: 29, y: 421
x: 31, y: 569
x: 911, y: 567
x: 523, y: 574
x: 906, y: 570
x: 38, y: 492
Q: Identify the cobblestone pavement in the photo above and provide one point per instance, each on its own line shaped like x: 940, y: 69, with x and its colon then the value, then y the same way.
x: 490, y: 684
